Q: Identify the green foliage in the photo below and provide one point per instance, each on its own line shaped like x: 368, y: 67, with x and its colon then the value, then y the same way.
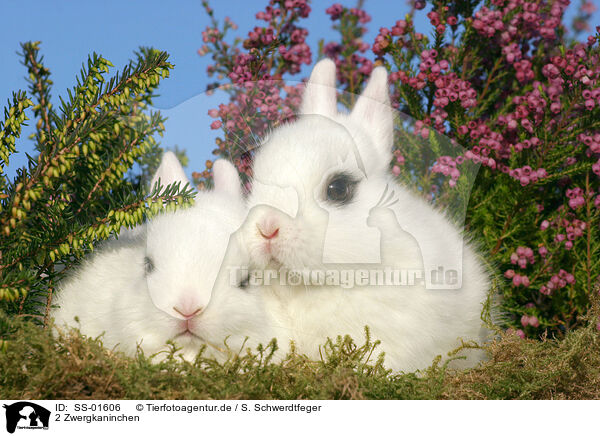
x: 78, y: 190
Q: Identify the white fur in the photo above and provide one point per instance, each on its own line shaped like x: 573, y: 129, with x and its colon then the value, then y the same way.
x: 292, y: 168
x: 112, y: 295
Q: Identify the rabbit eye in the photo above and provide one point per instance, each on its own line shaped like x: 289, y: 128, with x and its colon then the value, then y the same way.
x: 340, y: 189
x: 148, y: 265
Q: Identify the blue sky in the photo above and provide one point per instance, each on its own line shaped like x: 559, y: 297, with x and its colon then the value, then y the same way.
x: 70, y: 30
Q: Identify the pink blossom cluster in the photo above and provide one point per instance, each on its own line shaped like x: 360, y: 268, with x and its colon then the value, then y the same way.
x: 210, y: 34
x: 382, y: 41
x: 438, y: 119
x: 529, y: 112
x: 488, y: 21
x: 334, y: 11
x: 401, y: 35
x: 567, y: 230
x: 450, y: 89
x: 558, y: 281
x: 295, y: 56
x: 429, y: 63
x: 479, y: 155
x: 517, y: 279
x: 362, y: 16
x: 592, y: 141
x: 524, y: 71
x: 531, y: 320
x: 422, y: 129
x: 436, y: 20
x: 520, y: 19
x: 487, y: 142
x: 265, y: 100
x: 419, y: 4
x: 520, y: 333
x: 447, y: 166
x: 573, y: 230
x: 512, y: 52
x: 296, y: 52
x: 576, y: 198
x: 526, y: 175
x: 296, y: 8
x: 260, y: 36
x: 400, y: 28
x: 417, y: 82
x: 522, y: 256
x: 398, y: 160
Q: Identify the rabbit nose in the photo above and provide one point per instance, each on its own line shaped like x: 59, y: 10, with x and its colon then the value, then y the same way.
x: 268, y: 229
x: 188, y: 314
x: 269, y: 235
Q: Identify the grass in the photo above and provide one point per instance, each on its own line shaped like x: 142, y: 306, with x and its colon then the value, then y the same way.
x: 33, y: 365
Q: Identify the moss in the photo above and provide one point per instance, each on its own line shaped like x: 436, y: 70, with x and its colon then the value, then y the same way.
x: 36, y: 366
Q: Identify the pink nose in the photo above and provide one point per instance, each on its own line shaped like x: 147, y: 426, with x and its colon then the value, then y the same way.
x: 268, y: 228
x: 268, y: 235
x: 188, y: 314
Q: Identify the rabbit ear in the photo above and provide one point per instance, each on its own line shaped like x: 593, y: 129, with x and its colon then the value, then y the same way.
x: 320, y: 94
x: 169, y: 171
x: 374, y: 112
x: 226, y: 178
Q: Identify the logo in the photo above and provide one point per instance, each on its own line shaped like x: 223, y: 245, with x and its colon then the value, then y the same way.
x: 26, y: 415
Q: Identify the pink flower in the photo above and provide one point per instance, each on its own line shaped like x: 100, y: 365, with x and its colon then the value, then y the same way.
x: 335, y: 11
x: 533, y: 321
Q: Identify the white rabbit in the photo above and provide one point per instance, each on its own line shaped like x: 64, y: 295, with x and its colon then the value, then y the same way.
x: 322, y: 193
x: 168, y: 279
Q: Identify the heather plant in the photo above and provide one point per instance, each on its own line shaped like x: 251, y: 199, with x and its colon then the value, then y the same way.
x: 78, y: 189
x: 258, y: 96
x: 509, y: 89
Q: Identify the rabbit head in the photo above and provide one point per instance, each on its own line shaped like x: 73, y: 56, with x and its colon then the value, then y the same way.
x: 185, y: 249
x: 325, y: 170
x: 187, y: 263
